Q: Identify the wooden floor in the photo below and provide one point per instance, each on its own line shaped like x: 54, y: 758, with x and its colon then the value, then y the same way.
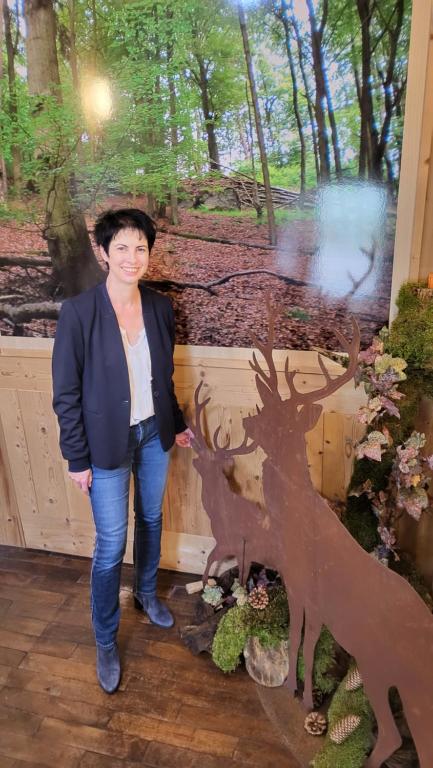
x: 173, y: 710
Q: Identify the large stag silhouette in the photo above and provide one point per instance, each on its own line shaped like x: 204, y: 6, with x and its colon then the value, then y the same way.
x: 330, y: 580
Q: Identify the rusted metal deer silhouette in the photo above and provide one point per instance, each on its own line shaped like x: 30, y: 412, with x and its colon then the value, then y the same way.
x: 330, y: 580
x: 237, y: 523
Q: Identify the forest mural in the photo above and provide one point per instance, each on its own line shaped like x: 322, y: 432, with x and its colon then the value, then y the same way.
x: 263, y: 136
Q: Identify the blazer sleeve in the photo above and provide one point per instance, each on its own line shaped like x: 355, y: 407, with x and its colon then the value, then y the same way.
x: 179, y: 421
x: 67, y: 370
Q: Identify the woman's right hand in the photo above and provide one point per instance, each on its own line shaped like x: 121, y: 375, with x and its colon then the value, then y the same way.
x: 82, y: 479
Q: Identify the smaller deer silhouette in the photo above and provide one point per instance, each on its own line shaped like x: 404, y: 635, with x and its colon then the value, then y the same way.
x: 239, y: 526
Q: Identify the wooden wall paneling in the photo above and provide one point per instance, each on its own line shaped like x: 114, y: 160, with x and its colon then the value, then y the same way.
x: 315, y: 439
x: 426, y: 260
x: 415, y: 153
x: 65, y: 524
x: 19, y: 460
x: 22, y: 372
x: 11, y: 530
x: 52, y: 527
x: 186, y: 552
x: 340, y: 435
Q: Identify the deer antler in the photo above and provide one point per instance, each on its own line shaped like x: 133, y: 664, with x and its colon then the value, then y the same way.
x: 266, y: 350
x: 331, y: 385
x: 227, y: 453
x: 199, y: 407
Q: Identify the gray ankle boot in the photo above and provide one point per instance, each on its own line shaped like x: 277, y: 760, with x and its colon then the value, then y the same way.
x: 108, y: 668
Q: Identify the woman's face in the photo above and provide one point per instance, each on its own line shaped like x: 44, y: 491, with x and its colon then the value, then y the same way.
x: 128, y: 256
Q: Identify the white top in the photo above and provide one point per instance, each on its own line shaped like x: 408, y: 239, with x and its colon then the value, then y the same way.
x: 140, y: 376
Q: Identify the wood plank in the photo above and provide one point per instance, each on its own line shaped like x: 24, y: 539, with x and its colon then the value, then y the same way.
x: 426, y: 255
x: 94, y: 739
x: 15, y: 640
x: 18, y: 457
x: 4, y: 606
x: 14, y: 722
x: 44, y: 664
x: 4, y: 673
x: 413, y: 173
x: 238, y: 723
x: 44, y: 705
x: 24, y: 624
x: 341, y: 433
x: 161, y: 704
x: 11, y: 530
x: 25, y: 373
x: 195, y: 739
x: 14, y: 579
x: 39, y: 428
x: 159, y: 755
x: 61, y: 648
x: 11, y: 657
x: 40, y: 750
x: 93, y: 760
x: 9, y: 762
x: 254, y: 753
x: 28, y: 593
x: 78, y: 634
x: 34, y: 610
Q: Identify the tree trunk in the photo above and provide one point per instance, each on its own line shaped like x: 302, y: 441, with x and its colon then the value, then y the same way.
x: 174, y: 139
x: 174, y: 207
x: 13, y: 109
x: 319, y: 76
x: 295, y: 26
x: 209, y: 118
x: 259, y: 128
x: 73, y: 59
x: 3, y: 171
x: 389, y: 97
x: 243, y: 137
x: 295, y: 90
x: 256, y: 201
x: 334, y: 131
x: 75, y: 267
x: 369, y: 134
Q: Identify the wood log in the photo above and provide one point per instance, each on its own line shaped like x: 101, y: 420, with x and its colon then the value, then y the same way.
x: 267, y: 666
x: 199, y: 637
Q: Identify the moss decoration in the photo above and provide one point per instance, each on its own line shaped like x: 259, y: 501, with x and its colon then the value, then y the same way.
x: 411, y: 334
x: 352, y: 752
x: 324, y: 663
x: 270, y: 625
x: 242, y: 621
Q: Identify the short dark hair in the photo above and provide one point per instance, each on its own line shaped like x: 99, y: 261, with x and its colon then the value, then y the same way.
x: 109, y: 223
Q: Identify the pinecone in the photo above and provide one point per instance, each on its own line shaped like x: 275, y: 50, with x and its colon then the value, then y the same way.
x: 258, y: 598
x: 354, y: 680
x: 344, y: 728
x: 315, y: 724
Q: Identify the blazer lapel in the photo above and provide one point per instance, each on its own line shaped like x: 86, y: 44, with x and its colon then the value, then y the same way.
x: 114, y: 351
x: 149, y: 324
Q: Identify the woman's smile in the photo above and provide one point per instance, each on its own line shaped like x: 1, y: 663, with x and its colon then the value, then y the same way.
x: 129, y: 244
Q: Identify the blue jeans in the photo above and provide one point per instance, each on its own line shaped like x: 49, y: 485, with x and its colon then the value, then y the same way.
x: 109, y: 496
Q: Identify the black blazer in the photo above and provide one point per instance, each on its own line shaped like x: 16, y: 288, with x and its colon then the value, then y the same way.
x: 91, y: 392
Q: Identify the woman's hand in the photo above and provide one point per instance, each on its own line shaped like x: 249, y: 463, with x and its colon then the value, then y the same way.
x: 183, y: 439
x: 82, y: 479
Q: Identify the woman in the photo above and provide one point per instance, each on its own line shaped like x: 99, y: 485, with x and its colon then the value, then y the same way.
x: 117, y: 411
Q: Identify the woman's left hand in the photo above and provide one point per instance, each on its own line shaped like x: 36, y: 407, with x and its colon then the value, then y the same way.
x: 183, y: 439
